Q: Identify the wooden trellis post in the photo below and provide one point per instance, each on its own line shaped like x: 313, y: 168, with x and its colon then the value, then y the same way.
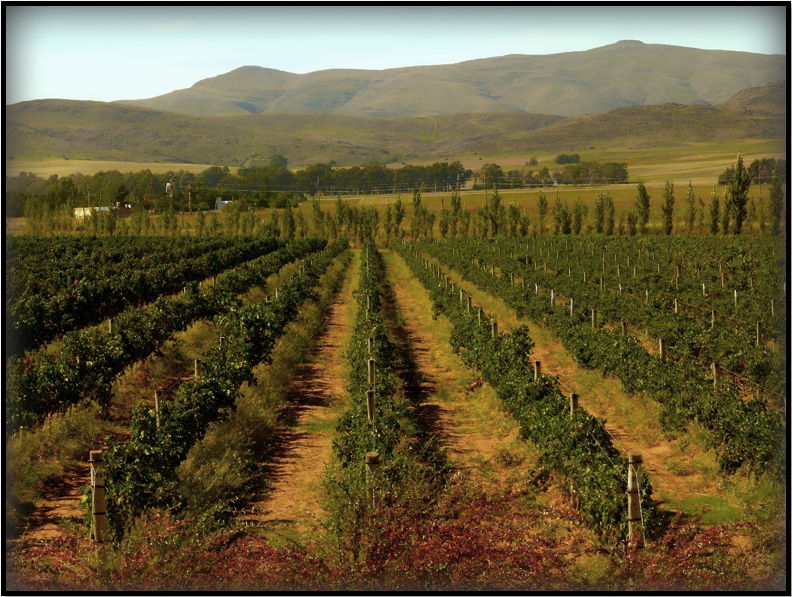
x: 552, y: 298
x: 370, y: 405
x: 98, y: 514
x: 370, y: 344
x: 110, y: 326
x: 661, y: 348
x: 469, y: 305
x: 633, y: 498
x: 594, y: 319
x: 156, y: 407
x: 494, y: 330
x: 537, y: 370
x: 371, y: 378
x: 196, y: 367
x: 571, y: 305
x: 573, y: 404
x: 480, y: 317
x: 714, y: 368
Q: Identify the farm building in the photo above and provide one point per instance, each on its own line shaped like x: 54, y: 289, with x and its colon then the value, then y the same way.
x: 219, y: 203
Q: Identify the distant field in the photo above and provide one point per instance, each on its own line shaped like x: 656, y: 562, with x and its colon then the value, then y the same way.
x: 66, y: 167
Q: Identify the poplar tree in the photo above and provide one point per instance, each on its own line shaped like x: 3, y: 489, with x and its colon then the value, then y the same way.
x: 642, y: 207
x: 690, y: 209
x: 542, y: 208
x: 739, y: 193
x: 776, y: 204
x: 667, y: 207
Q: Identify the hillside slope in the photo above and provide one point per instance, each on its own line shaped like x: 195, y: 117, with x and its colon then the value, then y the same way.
x: 107, y: 131
x: 627, y: 73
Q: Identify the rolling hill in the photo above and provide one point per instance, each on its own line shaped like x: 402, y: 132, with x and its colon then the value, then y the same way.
x: 627, y: 73
x: 80, y: 130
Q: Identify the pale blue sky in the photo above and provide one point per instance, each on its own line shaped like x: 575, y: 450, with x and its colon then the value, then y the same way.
x: 106, y: 53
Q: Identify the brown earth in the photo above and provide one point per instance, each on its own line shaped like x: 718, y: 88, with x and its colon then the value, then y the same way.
x: 304, y: 445
x: 60, y: 501
x: 446, y: 404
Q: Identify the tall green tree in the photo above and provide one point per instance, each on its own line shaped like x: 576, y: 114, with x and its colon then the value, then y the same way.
x: 642, y: 207
x: 726, y: 212
x: 610, y: 213
x: 739, y: 193
x: 496, y: 212
x: 690, y: 209
x: 667, y: 207
x: 577, y: 216
x: 513, y: 218
x: 776, y: 204
x: 599, y: 213
x: 398, y: 217
x: 714, y: 210
x: 542, y: 209
x: 456, y: 212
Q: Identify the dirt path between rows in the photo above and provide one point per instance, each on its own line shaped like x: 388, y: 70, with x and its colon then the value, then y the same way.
x: 304, y: 445
x: 443, y: 406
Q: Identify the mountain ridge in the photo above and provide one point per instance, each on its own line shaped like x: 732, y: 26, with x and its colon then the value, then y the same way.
x: 109, y: 131
x: 628, y: 72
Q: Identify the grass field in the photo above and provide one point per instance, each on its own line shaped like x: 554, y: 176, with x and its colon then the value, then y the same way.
x: 65, y: 167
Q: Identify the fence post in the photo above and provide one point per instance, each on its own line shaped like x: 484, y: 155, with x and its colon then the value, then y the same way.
x: 602, y: 284
x: 714, y: 368
x: 156, y: 407
x: 573, y: 404
x: 195, y: 371
x: 594, y: 319
x: 633, y: 498
x: 571, y: 305
x: 479, y: 316
x: 537, y: 370
x: 712, y: 323
x: 494, y: 330
x: 676, y: 307
x: 552, y: 298
x: 98, y: 514
x: 623, y: 328
x: 772, y: 307
x: 276, y: 293
x: 468, y: 305
x: 370, y: 405
x: 110, y: 326
x: 758, y: 335
x: 372, y: 464
x: 371, y: 378
x: 661, y: 347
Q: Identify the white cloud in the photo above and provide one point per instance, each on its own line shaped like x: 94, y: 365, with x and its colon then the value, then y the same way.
x: 171, y: 27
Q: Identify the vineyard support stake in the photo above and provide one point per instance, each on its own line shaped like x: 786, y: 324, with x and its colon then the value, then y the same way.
x: 537, y: 370
x: 196, y: 367
x: 370, y: 344
x: 370, y: 405
x: 469, y: 305
x: 110, y: 326
x: 714, y: 368
x: 156, y: 407
x: 661, y: 348
x: 494, y: 330
x: 623, y: 328
x: 571, y: 306
x: 633, y: 499
x: 573, y: 404
x: 594, y: 319
x: 98, y: 514
x: 371, y: 372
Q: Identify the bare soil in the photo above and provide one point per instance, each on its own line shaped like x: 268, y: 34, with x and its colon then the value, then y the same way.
x: 60, y: 501
x: 444, y: 404
x: 303, y: 446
